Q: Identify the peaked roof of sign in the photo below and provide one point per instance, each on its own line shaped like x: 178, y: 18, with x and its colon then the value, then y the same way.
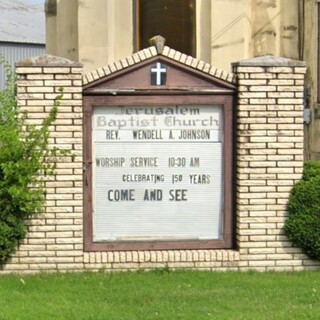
x: 21, y: 22
x: 151, y: 52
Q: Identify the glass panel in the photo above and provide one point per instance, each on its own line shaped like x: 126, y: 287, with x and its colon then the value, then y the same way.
x: 157, y: 173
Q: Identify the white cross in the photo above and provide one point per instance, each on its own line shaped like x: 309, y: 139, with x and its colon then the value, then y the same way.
x: 158, y: 70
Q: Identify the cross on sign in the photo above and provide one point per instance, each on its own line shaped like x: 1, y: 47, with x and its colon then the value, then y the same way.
x: 158, y: 74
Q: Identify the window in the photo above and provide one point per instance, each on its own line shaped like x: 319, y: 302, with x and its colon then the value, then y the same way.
x: 172, y: 19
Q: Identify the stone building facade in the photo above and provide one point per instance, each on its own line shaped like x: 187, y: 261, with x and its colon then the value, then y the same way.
x: 100, y: 32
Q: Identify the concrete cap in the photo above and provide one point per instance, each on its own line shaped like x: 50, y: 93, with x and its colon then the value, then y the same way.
x: 269, y: 61
x: 47, y: 60
x: 158, y: 42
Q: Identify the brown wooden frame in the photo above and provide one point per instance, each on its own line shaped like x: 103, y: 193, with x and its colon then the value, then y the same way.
x: 227, y: 104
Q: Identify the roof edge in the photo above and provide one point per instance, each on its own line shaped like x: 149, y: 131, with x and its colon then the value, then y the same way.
x: 151, y: 52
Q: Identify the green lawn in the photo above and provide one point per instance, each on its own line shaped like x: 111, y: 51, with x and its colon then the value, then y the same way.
x: 161, y: 295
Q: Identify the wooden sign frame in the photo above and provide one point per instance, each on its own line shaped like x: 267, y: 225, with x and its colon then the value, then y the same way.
x: 184, y: 86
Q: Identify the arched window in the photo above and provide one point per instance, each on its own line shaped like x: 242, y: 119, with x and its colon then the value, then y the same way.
x: 172, y: 19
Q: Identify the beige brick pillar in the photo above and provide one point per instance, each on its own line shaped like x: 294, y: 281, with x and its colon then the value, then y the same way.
x: 269, y: 158
x: 54, y: 240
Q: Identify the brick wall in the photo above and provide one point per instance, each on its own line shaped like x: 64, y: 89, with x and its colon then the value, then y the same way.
x: 54, y: 240
x: 269, y: 162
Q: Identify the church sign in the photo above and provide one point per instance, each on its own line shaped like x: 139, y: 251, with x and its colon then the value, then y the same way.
x: 158, y: 167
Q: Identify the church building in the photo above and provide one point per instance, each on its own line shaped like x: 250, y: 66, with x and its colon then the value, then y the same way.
x: 99, y: 32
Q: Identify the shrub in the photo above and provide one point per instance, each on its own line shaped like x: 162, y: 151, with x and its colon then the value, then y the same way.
x: 311, y: 169
x: 303, y: 224
x: 24, y: 154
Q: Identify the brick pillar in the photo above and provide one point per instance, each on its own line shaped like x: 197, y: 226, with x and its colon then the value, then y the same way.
x: 55, y: 238
x: 269, y: 158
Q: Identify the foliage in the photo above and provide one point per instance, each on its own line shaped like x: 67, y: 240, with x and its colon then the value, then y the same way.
x: 24, y: 151
x: 311, y: 169
x: 303, y: 224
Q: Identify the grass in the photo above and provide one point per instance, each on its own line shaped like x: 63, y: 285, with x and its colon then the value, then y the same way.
x: 161, y: 295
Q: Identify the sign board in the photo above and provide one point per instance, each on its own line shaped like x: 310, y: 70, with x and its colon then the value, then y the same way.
x: 157, y: 172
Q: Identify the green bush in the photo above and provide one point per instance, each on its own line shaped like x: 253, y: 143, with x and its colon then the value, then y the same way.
x: 311, y: 169
x: 303, y: 224
x: 24, y: 155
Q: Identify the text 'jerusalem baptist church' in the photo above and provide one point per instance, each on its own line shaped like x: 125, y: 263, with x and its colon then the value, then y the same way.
x: 176, y: 110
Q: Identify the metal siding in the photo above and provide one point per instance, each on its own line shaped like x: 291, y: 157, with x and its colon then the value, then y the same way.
x: 22, y: 22
x: 14, y: 52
